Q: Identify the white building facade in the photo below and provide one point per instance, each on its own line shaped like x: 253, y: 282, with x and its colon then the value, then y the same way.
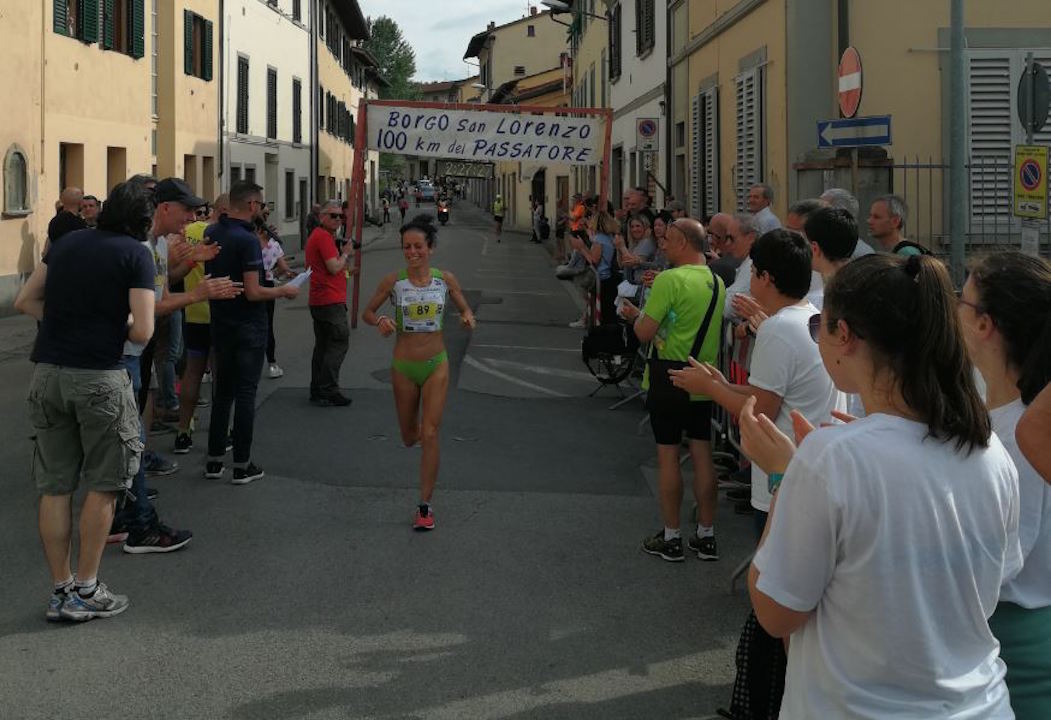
x: 266, y: 101
x: 637, y: 72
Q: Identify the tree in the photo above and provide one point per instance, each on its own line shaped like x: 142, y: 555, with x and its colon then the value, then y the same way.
x: 395, y: 57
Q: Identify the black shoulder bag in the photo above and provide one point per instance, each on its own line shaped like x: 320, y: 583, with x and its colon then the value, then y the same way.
x: 662, y: 394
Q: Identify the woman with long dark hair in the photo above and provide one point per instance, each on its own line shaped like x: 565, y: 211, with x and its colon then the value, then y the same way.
x: 1005, y: 313
x: 420, y: 369
x: 891, y: 536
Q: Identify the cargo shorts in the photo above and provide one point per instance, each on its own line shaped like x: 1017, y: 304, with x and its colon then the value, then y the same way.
x: 85, y: 430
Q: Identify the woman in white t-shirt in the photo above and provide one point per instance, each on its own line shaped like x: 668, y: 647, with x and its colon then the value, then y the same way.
x: 890, y: 537
x: 1005, y: 313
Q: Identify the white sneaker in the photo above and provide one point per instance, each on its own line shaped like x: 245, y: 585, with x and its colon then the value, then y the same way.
x: 275, y: 371
x: 206, y: 378
x: 578, y: 324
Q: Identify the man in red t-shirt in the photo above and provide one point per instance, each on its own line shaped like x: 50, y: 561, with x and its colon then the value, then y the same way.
x: 328, y: 307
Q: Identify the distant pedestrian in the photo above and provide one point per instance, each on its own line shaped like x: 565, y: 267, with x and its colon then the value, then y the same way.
x: 89, y: 210
x: 386, y: 210
x: 82, y: 407
x: 887, y: 217
x: 403, y: 205
x: 67, y: 219
x: 498, y: 215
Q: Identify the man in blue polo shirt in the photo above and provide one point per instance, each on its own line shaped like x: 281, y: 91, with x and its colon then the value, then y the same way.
x: 239, y: 332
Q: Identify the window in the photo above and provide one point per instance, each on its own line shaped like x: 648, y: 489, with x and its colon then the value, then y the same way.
x: 16, y: 182
x: 645, y: 28
x: 993, y: 129
x: 750, y: 145
x: 705, y: 196
x: 271, y: 102
x: 530, y: 30
x: 197, y: 45
x: 614, y: 43
x: 520, y: 70
x: 320, y: 20
x: 297, y: 110
x: 250, y: 173
x: 290, y: 195
x: 297, y: 10
x: 77, y: 19
x: 242, y: 95
x: 124, y: 26
x: 605, y: 80
x: 320, y: 108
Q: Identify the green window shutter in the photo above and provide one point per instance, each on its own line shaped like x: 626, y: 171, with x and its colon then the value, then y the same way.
x: 138, y: 28
x: 89, y: 14
x: 61, y: 18
x: 107, y: 24
x: 206, y: 62
x: 187, y: 42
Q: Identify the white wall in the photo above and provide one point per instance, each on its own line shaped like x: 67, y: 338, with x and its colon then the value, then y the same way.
x: 268, y: 37
x: 638, y: 77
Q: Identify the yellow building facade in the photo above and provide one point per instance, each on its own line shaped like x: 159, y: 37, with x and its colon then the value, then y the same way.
x: 83, y: 116
x: 521, y: 182
x: 589, y: 62
x: 187, y: 93
x: 750, y: 79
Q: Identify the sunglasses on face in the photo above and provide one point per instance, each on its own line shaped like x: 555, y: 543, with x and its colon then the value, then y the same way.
x: 335, y: 216
x: 203, y: 212
x: 815, y: 326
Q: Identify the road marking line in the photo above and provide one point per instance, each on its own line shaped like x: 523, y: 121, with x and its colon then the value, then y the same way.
x: 540, y: 369
x: 469, y: 360
x: 526, y: 347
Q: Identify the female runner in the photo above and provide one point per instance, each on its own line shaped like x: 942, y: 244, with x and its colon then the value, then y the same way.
x: 420, y: 370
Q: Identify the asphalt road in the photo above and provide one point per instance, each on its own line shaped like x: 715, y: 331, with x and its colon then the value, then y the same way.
x: 307, y: 596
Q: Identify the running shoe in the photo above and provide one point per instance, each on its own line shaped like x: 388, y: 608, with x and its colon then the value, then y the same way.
x: 100, y: 605
x: 245, y: 475
x: 578, y: 324
x: 155, y: 465
x: 183, y: 443
x: 275, y: 371
x: 214, y: 470
x: 157, y: 539
x: 705, y: 547
x: 160, y: 428
x: 203, y: 402
x: 54, y: 606
x: 206, y: 378
x: 670, y: 550
x: 423, y: 519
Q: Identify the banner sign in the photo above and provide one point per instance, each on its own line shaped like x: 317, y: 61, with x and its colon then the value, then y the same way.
x: 480, y: 136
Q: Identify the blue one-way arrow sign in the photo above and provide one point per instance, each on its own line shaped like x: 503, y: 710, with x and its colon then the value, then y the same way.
x: 854, y: 132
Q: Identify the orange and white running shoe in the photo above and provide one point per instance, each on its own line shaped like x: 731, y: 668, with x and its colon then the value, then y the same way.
x: 423, y: 519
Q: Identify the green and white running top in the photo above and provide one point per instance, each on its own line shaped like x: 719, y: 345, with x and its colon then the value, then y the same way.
x: 416, y: 309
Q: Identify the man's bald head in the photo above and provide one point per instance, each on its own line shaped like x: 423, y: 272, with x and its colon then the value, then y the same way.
x: 720, y: 227
x: 70, y: 199
x: 694, y: 233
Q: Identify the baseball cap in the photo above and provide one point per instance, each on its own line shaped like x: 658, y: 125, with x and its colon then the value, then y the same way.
x: 176, y: 190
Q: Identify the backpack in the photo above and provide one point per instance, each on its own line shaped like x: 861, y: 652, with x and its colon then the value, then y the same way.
x: 909, y: 244
x: 545, y: 228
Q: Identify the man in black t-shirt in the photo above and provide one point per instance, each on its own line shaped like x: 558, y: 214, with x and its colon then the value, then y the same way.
x: 68, y: 218
x: 83, y: 411
x: 239, y: 332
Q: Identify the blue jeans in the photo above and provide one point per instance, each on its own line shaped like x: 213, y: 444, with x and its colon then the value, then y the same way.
x: 137, y: 513
x: 167, y: 359
x: 239, y: 355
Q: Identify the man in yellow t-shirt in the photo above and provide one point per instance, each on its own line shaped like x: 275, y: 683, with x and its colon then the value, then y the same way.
x: 198, y: 333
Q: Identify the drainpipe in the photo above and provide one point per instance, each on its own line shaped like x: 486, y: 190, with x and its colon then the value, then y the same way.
x: 314, y: 129
x: 843, y: 34
x: 957, y: 143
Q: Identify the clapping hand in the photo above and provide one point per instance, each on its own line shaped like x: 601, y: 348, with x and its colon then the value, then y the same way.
x: 698, y: 379
x: 289, y: 291
x: 222, y: 288
x: 204, y: 252
x: 746, y: 306
x: 755, y: 320
x: 179, y: 251
x: 764, y: 443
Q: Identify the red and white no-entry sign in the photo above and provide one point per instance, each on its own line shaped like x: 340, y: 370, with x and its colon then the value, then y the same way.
x: 850, y: 82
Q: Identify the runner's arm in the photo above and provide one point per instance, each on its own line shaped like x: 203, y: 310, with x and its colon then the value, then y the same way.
x: 382, y: 294
x: 456, y: 292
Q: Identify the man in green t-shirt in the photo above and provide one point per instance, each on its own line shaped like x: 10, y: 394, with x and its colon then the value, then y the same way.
x: 670, y: 321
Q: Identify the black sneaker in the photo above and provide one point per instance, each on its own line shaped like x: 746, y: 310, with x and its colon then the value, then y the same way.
x: 339, y: 400
x: 214, y: 470
x: 245, y: 475
x: 670, y: 550
x: 705, y: 547
x: 158, y: 539
x: 183, y: 443
x: 151, y: 494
